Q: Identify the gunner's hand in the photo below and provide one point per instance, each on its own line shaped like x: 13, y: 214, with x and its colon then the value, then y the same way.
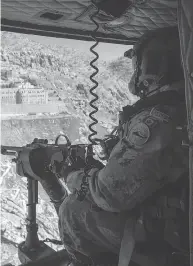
x: 46, y: 161
x: 91, y: 163
x: 39, y: 159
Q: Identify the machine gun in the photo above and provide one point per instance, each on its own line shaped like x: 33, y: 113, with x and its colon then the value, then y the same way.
x: 56, y: 154
x: 32, y: 248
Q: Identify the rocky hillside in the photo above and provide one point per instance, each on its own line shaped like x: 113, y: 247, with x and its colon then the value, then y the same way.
x: 64, y: 72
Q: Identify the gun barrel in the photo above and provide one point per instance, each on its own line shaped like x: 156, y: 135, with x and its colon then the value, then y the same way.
x: 10, y: 150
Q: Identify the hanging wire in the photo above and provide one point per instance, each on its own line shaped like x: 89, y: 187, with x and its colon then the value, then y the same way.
x: 95, y: 121
x: 84, y: 185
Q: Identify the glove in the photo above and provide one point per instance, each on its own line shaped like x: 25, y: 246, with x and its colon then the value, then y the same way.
x: 92, y: 163
x: 39, y: 159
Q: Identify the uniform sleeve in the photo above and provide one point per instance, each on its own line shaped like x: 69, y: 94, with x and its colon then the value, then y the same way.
x: 138, y: 166
x: 54, y: 189
x: 74, y: 180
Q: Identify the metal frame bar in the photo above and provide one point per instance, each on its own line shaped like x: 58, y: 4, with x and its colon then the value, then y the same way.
x: 60, y: 32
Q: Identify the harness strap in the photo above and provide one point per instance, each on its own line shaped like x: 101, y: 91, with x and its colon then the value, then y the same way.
x: 127, y: 248
x: 128, y: 242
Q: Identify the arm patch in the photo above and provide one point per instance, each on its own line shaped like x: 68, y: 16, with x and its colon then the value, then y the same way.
x: 139, y: 134
x: 159, y: 115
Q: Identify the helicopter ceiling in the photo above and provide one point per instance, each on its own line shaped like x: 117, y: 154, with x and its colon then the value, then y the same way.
x: 71, y: 19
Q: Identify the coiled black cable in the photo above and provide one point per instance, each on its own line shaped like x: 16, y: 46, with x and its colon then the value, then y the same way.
x: 84, y: 185
x: 95, y: 121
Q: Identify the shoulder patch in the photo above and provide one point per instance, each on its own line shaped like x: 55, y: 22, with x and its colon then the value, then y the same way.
x: 139, y: 134
x: 159, y: 115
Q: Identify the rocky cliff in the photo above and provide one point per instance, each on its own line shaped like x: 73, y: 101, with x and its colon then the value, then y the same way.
x: 64, y: 72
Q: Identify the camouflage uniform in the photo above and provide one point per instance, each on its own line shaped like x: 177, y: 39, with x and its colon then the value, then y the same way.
x: 147, y: 157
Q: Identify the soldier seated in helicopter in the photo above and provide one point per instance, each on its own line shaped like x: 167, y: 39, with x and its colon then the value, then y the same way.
x: 147, y: 157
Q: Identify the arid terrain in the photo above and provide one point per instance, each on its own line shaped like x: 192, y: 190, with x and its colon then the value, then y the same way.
x: 64, y: 72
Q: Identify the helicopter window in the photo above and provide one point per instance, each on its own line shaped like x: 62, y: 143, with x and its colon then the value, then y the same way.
x: 43, y: 110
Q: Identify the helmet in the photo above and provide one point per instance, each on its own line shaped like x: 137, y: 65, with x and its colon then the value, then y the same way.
x: 156, y: 62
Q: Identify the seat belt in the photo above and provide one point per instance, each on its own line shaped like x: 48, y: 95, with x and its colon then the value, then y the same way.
x: 128, y: 242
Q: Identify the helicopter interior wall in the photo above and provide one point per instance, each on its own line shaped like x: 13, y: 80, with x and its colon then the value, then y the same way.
x: 75, y: 16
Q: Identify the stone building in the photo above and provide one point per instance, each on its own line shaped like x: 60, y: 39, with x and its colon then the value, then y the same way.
x: 21, y: 95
